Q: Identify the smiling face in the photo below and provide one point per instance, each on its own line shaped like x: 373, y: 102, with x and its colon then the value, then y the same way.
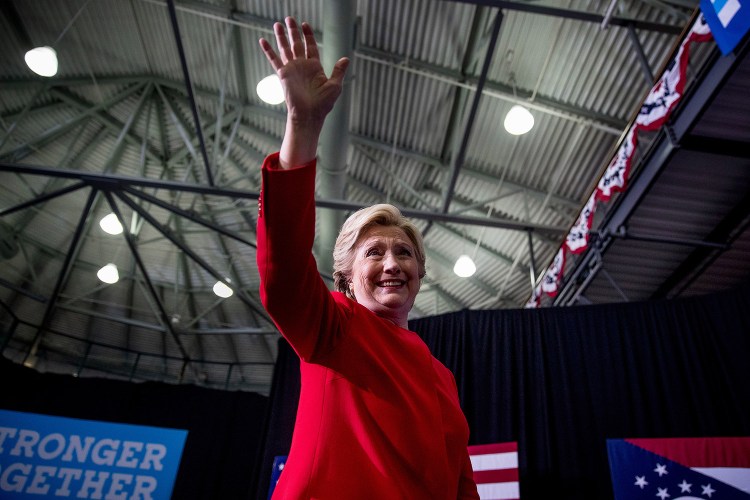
x: 385, y: 273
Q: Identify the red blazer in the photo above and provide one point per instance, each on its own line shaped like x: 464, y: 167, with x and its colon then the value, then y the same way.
x: 378, y: 416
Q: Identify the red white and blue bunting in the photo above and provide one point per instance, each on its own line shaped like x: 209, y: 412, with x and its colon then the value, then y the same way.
x: 668, y: 91
x: 615, y: 178
x: 654, y: 112
x: 536, y: 298
x: 578, y: 237
x: 551, y: 279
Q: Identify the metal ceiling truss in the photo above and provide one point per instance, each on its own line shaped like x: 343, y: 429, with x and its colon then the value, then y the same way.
x: 127, y: 371
x: 452, y: 77
x: 189, y: 88
x: 98, y: 186
x: 666, y: 144
x: 571, y: 205
x: 120, y: 180
x: 459, y: 154
x: 534, y: 8
x: 705, y: 252
x: 150, y: 88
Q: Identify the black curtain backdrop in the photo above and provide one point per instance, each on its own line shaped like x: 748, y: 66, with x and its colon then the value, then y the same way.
x: 225, y: 429
x: 561, y: 381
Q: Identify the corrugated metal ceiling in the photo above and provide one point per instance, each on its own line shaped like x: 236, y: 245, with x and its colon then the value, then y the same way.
x: 119, y: 107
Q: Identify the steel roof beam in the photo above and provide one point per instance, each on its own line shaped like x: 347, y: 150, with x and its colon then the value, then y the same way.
x: 237, y: 280
x: 449, y: 76
x: 62, y: 277
x: 224, y: 72
x: 552, y: 241
x: 467, y: 170
x: 213, y: 128
x: 177, y: 241
x: 187, y: 214
x: 27, y: 109
x: 187, y: 276
x: 98, y: 112
x: 116, y: 154
x: 648, y: 75
x: 189, y: 87
x: 166, y: 320
x: 42, y: 198
x: 497, y: 90
x: 578, y: 15
x: 460, y: 155
x: 119, y: 181
x: 56, y: 131
x: 662, y: 149
x: 492, y: 89
x: 706, y: 252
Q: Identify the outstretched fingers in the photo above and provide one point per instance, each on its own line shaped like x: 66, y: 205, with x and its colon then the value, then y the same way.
x: 311, y: 46
x: 282, y: 42
x: 290, y: 44
x: 298, y: 48
x: 276, y: 63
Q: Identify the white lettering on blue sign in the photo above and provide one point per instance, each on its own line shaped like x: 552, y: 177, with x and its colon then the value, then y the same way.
x: 54, y: 456
x: 725, y: 10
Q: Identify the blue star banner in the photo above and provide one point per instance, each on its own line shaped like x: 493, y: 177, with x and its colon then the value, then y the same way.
x: 680, y: 468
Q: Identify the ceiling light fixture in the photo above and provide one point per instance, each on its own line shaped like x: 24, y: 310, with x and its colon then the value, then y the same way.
x: 270, y: 90
x: 464, y: 267
x: 222, y: 290
x: 110, y: 224
x: 108, y: 274
x: 42, y: 61
x: 519, y: 120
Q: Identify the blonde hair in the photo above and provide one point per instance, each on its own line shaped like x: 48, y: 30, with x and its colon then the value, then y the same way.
x: 361, y: 220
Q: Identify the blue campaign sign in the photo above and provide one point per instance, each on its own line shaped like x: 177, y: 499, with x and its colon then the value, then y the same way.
x: 729, y: 21
x: 45, y: 456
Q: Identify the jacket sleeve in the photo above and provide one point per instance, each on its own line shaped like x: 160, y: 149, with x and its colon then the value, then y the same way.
x: 291, y: 288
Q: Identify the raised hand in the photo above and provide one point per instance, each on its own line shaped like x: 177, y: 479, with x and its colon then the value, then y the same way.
x: 309, y: 93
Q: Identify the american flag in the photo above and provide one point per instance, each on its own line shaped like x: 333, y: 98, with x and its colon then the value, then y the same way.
x: 496, y: 470
x: 680, y: 468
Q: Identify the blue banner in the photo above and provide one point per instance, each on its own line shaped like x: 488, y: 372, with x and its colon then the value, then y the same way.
x: 278, y: 465
x: 45, y: 456
x: 729, y: 21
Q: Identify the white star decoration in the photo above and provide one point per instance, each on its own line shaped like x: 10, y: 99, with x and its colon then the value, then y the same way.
x: 684, y: 486
x: 663, y: 493
x: 707, y: 490
x: 661, y: 469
